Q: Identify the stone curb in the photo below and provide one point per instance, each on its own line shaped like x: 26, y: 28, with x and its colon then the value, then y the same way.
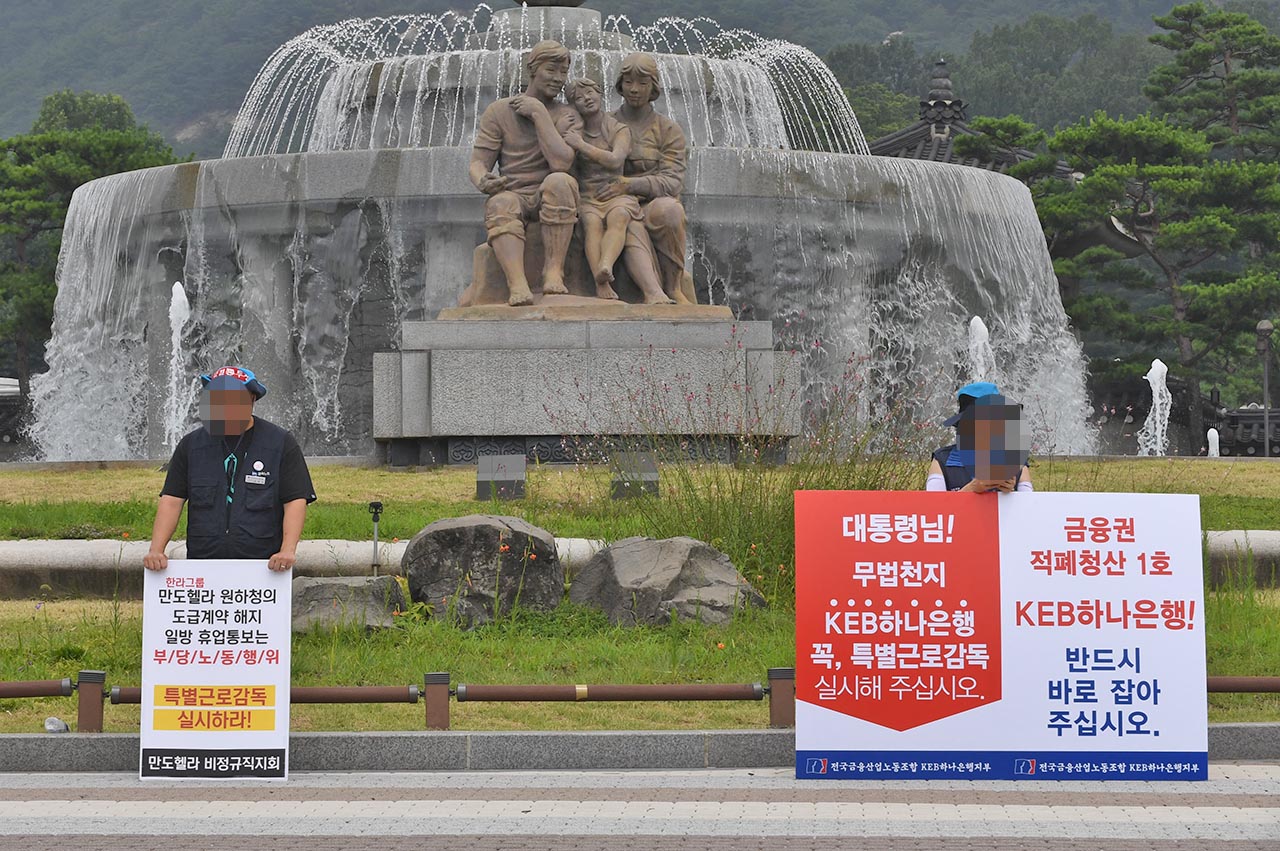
x: 539, y: 751
x: 440, y: 751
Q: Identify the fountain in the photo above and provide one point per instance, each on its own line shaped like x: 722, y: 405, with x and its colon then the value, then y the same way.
x: 342, y: 211
x: 1153, y: 437
x: 181, y: 384
x: 982, y: 358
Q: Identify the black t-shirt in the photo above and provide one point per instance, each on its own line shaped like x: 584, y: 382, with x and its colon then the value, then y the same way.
x: 295, y: 478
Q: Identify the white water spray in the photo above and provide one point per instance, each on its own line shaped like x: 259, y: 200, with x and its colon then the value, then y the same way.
x: 413, y: 80
x: 982, y: 360
x: 177, y: 401
x: 1153, y: 437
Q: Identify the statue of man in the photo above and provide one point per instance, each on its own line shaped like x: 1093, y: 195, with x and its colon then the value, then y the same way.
x: 654, y: 172
x: 524, y: 136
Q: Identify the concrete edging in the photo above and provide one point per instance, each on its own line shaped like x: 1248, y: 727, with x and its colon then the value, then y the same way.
x: 519, y: 751
x: 440, y: 751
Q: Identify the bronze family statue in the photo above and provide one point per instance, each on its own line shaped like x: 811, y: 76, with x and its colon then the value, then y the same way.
x: 619, y: 174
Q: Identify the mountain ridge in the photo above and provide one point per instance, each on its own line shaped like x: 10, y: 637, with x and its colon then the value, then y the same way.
x: 185, y: 69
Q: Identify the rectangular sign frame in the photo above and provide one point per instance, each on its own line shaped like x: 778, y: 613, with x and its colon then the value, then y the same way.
x: 981, y: 636
x: 216, y: 655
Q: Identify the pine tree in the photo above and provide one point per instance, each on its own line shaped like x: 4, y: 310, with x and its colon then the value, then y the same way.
x: 83, y: 137
x: 1224, y: 79
x: 1193, y: 217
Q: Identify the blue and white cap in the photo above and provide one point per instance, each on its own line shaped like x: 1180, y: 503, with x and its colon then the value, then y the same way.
x: 234, y: 378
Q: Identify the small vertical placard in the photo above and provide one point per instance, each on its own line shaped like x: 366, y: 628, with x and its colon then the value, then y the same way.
x: 500, y: 477
x: 635, y: 473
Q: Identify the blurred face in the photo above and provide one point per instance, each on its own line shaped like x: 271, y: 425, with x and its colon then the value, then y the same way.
x: 637, y: 89
x: 586, y: 100
x: 547, y: 80
x: 226, y: 411
x: 994, y: 434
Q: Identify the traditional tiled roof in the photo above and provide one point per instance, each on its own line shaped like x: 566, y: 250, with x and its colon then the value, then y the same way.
x: 942, y: 118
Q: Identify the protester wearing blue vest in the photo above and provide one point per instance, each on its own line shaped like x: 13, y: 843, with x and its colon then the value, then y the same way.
x: 991, y: 450
x: 244, y: 480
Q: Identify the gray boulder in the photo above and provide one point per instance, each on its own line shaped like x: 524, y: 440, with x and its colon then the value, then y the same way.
x: 475, y: 566
x: 643, y: 580
x: 340, y: 600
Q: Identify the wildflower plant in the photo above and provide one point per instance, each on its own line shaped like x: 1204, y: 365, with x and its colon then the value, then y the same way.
x: 732, y: 454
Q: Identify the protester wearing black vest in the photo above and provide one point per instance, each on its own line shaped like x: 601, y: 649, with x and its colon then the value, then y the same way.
x: 244, y: 480
x: 989, y: 454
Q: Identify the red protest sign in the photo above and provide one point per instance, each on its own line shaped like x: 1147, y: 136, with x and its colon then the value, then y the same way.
x: 897, y: 604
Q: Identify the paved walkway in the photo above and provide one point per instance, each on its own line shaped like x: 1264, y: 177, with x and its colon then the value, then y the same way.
x: 1237, y: 809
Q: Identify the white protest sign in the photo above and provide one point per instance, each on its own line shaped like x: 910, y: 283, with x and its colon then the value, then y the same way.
x: 1036, y: 636
x: 215, y: 670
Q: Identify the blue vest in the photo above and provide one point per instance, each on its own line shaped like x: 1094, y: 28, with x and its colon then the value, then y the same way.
x: 251, y: 523
x: 956, y: 477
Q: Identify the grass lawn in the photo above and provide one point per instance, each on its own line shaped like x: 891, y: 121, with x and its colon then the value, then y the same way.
x: 43, y: 640
x: 568, y: 501
x: 59, y: 638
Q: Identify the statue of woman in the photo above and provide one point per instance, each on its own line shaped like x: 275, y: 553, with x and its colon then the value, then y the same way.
x: 654, y: 173
x: 602, y: 147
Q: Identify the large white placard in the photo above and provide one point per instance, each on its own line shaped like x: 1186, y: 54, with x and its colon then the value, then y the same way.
x: 1100, y: 649
x: 215, y: 670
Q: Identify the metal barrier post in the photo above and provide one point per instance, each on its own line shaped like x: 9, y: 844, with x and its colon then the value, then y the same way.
x: 782, y: 697
x: 89, y: 711
x: 436, y: 697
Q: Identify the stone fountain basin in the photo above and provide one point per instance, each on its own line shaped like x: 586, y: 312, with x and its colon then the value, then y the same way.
x: 305, y: 265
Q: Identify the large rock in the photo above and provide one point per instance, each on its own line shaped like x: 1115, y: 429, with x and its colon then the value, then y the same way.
x: 480, y: 564
x: 339, y: 600
x: 643, y: 580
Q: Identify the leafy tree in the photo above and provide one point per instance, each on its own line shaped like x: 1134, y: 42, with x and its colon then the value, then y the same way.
x: 895, y: 64
x: 1009, y: 139
x: 1053, y: 71
x: 1224, y: 79
x: 67, y: 110
x: 1265, y: 12
x: 38, y: 174
x: 1192, y: 216
x: 880, y: 110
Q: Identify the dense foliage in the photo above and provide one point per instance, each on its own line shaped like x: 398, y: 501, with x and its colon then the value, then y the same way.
x: 76, y: 138
x: 1192, y: 189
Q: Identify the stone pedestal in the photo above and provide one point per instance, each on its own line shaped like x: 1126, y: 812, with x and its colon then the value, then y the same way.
x: 558, y: 389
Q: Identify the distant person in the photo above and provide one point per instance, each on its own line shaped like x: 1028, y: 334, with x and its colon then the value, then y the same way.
x: 245, y: 481
x: 990, y: 452
x: 602, y: 146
